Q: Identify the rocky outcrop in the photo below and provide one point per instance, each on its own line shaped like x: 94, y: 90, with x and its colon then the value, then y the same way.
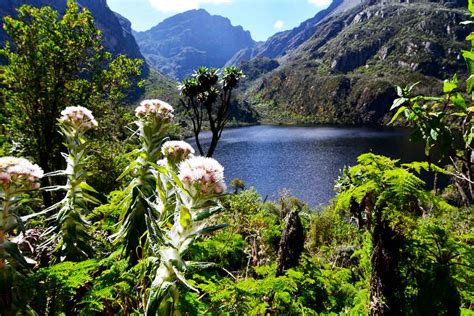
x: 180, y: 44
x: 115, y: 29
x: 257, y: 67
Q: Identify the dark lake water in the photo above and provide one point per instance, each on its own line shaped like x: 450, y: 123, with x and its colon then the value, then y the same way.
x: 304, y: 160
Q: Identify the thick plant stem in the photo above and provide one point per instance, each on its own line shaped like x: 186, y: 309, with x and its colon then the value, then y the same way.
x: 385, y: 278
x: 2, y: 230
x: 2, y: 251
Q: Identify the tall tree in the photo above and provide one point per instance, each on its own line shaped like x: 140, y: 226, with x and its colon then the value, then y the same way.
x: 207, y: 97
x: 54, y: 62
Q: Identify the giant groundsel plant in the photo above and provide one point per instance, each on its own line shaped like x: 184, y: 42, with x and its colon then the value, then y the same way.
x: 69, y: 229
x: 17, y: 176
x: 166, y: 203
x: 153, y: 121
x: 197, y: 184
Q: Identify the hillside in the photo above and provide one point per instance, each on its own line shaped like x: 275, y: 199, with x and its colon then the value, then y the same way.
x: 181, y: 43
x: 346, y: 71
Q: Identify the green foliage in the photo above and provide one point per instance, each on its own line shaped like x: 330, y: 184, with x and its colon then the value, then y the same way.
x: 438, y: 267
x: 184, y: 263
x: 385, y: 189
x: 297, y: 292
x: 59, y: 284
x: 226, y: 249
x: 387, y: 201
x: 53, y: 63
x: 327, y: 230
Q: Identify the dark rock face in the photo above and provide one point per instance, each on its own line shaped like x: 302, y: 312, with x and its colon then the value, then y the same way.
x: 116, y: 30
x: 258, y: 67
x: 180, y: 44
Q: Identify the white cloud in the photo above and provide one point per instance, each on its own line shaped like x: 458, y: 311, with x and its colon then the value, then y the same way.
x: 176, y: 6
x: 279, y: 25
x: 320, y: 3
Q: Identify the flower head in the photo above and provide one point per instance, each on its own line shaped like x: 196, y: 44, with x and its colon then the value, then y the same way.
x: 154, y: 110
x: 176, y: 151
x: 202, y: 176
x: 20, y: 172
x: 78, y: 117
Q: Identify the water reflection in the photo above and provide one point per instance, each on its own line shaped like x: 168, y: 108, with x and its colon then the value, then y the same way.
x: 304, y: 160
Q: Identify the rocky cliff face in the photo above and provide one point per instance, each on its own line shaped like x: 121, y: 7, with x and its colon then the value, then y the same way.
x: 180, y: 44
x: 346, y: 71
x: 116, y: 30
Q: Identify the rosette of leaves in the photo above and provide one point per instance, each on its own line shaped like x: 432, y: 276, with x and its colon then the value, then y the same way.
x: 17, y: 177
x: 207, y: 96
x: 199, y: 183
x: 69, y: 229
x: 153, y: 122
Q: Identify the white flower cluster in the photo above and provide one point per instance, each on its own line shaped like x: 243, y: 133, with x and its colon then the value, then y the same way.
x: 176, y: 151
x: 202, y: 176
x: 154, y: 109
x: 20, y: 172
x: 78, y: 117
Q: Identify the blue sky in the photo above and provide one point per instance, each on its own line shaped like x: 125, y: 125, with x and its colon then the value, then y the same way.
x: 262, y: 18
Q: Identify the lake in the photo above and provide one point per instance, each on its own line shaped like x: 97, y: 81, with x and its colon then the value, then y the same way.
x: 304, y: 160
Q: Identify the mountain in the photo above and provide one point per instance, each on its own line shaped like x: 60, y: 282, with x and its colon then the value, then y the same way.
x: 282, y: 42
x: 181, y: 43
x: 346, y: 69
x: 116, y: 30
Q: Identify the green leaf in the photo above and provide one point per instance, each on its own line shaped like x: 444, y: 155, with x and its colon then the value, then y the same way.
x: 183, y: 280
x: 398, y: 102
x: 87, y: 187
x: 469, y: 83
x: 395, y: 117
x: 210, y: 229
x: 450, y: 85
x: 469, y: 58
x: 185, y: 218
x: 128, y: 170
x: 458, y: 101
x: 434, y: 134
x: 400, y: 92
x: 470, y: 7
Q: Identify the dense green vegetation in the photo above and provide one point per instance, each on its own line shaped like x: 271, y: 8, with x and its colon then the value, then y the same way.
x: 142, y: 226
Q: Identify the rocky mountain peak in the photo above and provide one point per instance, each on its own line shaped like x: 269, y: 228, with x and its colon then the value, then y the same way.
x: 194, y: 38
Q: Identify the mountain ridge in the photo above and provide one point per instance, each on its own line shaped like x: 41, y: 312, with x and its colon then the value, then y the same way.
x: 346, y: 72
